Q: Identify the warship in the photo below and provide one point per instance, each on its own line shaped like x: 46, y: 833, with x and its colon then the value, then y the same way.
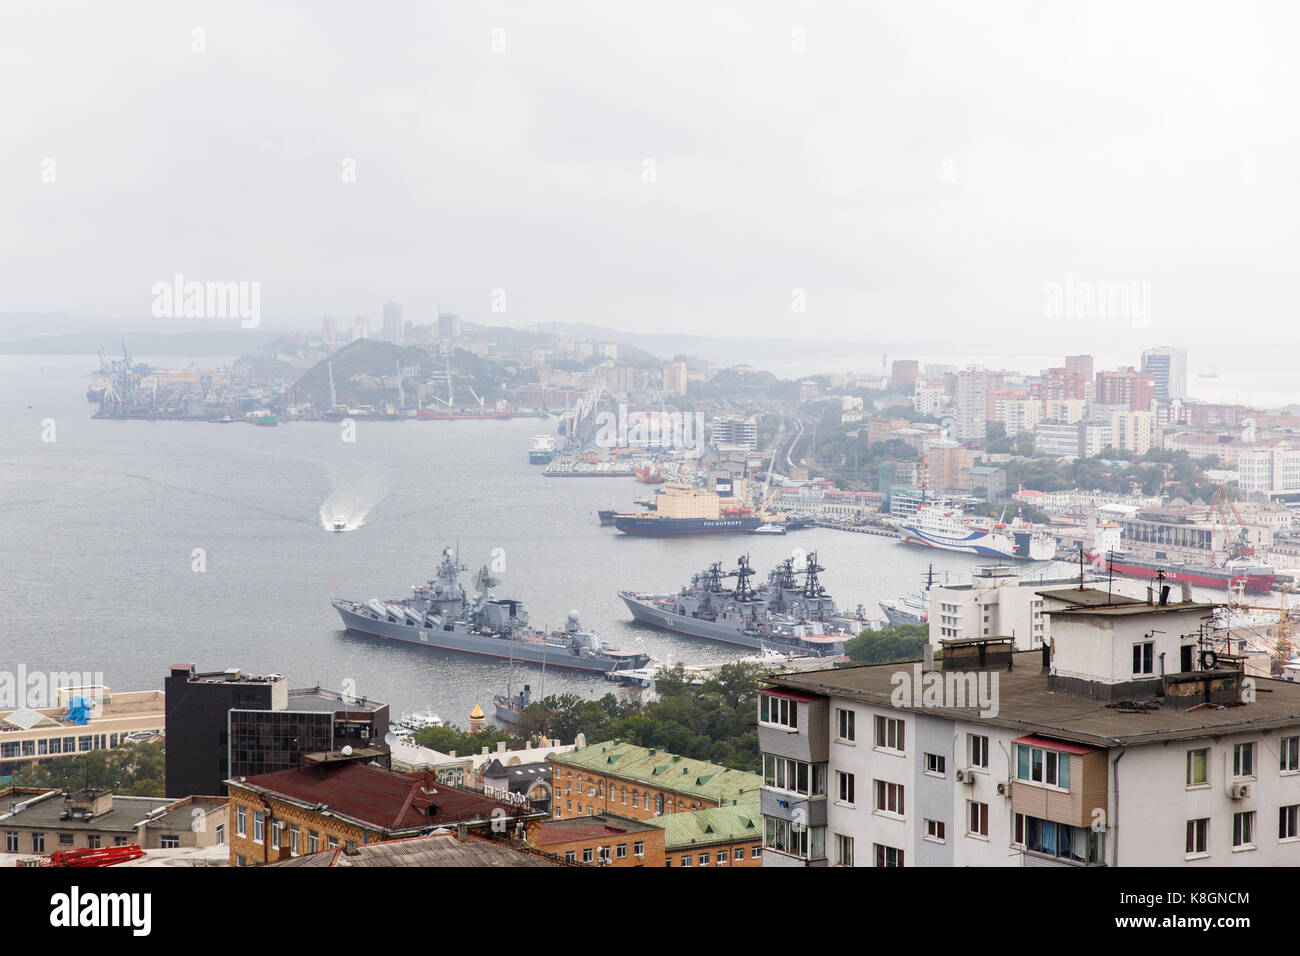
x: 792, y: 611
x: 439, y: 614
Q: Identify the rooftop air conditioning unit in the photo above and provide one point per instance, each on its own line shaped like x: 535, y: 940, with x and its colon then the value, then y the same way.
x: 1239, y: 791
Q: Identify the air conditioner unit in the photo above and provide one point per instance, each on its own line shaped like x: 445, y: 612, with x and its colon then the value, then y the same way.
x: 966, y: 776
x: 1004, y: 789
x: 1239, y: 791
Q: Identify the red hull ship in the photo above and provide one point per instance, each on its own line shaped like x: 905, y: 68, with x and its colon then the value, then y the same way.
x: 1256, y: 578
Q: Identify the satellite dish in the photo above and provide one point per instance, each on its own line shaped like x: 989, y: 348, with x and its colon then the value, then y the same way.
x: 347, y: 751
x: 1208, y: 660
x: 390, y: 738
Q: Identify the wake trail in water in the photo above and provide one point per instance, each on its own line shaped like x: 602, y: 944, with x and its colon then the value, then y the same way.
x: 355, y: 489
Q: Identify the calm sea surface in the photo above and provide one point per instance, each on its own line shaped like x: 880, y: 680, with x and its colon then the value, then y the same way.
x: 101, y: 525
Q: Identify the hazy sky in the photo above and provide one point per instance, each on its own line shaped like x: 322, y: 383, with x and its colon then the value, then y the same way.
x: 911, y: 166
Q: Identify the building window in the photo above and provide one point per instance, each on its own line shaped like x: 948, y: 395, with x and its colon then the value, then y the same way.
x: 313, y: 841
x: 979, y: 818
x: 1198, y: 837
x: 620, y: 852
x: 294, y: 843
x: 65, y: 839
x: 755, y: 852
x: 1082, y: 845
x: 889, y: 733
x: 241, y: 821
x: 778, y: 710
x: 934, y: 830
x: 119, y: 841
x: 722, y: 857
x: 845, y: 787
x: 686, y: 860
x: 1290, y: 762
x: 259, y: 824
x: 636, y: 800
x: 888, y: 856
x: 38, y: 842
x: 602, y: 854
x: 935, y: 764
x: 1288, y: 822
x: 844, y: 720
x: 221, y: 834
x: 276, y: 826
x: 1198, y: 768
x: 659, y: 803
x: 169, y: 842
x: 704, y: 859
x: 587, y: 855
x: 889, y: 797
x: 979, y: 751
x: 739, y: 854
x: 1243, y: 760
x: 11, y: 842
x: 638, y: 848
x: 332, y: 843
x: 1243, y: 830
x: 1144, y: 657
x: 1037, y: 765
x: 843, y: 850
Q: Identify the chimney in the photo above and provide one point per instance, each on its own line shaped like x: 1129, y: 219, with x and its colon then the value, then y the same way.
x: 430, y: 780
x: 1151, y: 596
x: 462, y: 833
x: 501, y: 746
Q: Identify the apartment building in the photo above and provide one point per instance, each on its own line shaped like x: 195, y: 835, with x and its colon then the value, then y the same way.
x: 995, y: 603
x: 1132, y: 739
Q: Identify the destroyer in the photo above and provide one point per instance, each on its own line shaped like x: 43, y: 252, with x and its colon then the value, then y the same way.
x: 440, y: 615
x: 792, y: 611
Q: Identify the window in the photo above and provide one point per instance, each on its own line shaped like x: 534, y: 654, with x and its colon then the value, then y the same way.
x: 979, y: 818
x: 313, y: 841
x: 332, y: 843
x: 722, y: 857
x: 169, y: 842
x: 778, y: 710
x: 686, y: 860
x: 602, y: 854
x: 241, y: 821
x: 1243, y: 760
x: 620, y: 852
x: 636, y: 800
x: 221, y: 834
x: 845, y: 786
x: 1198, y: 772
x: 659, y: 803
x: 843, y: 850
x: 755, y: 852
x: 793, y: 775
x: 801, y: 841
x: 934, y: 830
x: 294, y: 839
x: 38, y: 842
x: 704, y: 859
x: 889, y: 797
x: 935, y: 764
x: 65, y: 839
x: 979, y: 751
x: 844, y: 725
x: 276, y: 827
x: 1290, y: 754
x: 739, y: 855
x: 1078, y: 844
x: 638, y: 848
x: 1198, y: 837
x: 570, y: 856
x: 587, y: 855
x: 1288, y: 822
x: 889, y: 733
x: 888, y: 856
x: 119, y: 841
x: 1144, y: 657
x: 259, y: 824
x: 1038, y: 765
x: 1243, y: 830
x: 11, y: 842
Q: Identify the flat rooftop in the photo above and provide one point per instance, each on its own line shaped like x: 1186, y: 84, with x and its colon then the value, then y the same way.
x: 126, y: 813
x: 1026, y: 705
x: 328, y: 701
x: 596, y: 827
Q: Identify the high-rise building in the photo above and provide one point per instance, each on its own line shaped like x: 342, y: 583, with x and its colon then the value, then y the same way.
x: 448, y: 325
x: 393, y: 329
x: 675, y: 378
x: 1126, y: 386
x: 969, y: 422
x: 1168, y: 368
x: 903, y: 374
x: 1081, y: 365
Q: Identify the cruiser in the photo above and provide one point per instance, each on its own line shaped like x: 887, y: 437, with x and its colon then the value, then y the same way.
x: 439, y: 614
x: 784, y: 614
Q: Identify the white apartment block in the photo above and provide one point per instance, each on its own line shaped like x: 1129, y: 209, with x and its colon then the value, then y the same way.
x: 1272, y: 470
x: 971, y: 406
x: 929, y: 398
x: 889, y: 765
x: 996, y: 603
x: 1064, y: 411
x: 1020, y: 414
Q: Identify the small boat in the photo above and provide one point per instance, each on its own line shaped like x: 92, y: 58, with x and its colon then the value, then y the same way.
x: 340, y: 523
x: 772, y: 527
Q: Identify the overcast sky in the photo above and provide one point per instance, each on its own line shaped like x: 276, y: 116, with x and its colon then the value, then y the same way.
x: 916, y: 166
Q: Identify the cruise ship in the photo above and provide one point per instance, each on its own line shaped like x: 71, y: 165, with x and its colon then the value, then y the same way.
x: 949, y: 529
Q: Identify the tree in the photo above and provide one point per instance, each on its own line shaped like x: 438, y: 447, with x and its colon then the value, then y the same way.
x: 902, y: 643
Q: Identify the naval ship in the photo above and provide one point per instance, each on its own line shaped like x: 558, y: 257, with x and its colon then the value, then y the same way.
x: 792, y: 611
x: 439, y: 614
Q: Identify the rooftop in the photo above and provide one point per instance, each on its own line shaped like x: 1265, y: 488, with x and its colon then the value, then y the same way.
x: 658, y: 768
x: 47, y: 812
x: 373, y: 796
x: 1027, y: 706
x: 1086, y: 596
x: 726, y: 824
x: 594, y: 827
x: 436, y: 849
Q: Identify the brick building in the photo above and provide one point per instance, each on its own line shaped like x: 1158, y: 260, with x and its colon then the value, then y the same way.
x: 332, y: 802
x: 730, y: 835
x: 640, y: 783
x: 603, y: 840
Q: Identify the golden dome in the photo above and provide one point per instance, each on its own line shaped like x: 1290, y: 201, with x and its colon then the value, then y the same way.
x: 477, y: 712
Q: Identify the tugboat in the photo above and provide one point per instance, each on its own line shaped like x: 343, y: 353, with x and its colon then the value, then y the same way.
x: 785, y: 614
x: 441, y: 615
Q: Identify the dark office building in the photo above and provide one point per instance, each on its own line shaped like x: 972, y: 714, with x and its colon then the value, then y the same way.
x: 226, y: 724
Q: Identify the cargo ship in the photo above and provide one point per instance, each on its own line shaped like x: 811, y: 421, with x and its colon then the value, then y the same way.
x: 440, y: 615
x: 1236, y: 573
x: 682, y: 509
x: 948, y: 529
x: 541, y: 450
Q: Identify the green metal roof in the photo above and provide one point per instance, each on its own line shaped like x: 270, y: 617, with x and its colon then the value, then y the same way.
x: 725, y: 824
x: 658, y: 768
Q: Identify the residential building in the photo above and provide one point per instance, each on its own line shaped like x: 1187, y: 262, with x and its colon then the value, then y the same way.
x: 1127, y: 387
x: 1271, y: 470
x: 1094, y: 437
x: 734, y: 432
x: 730, y: 835
x: 228, y: 723
x: 987, y: 480
x: 1020, y: 414
x: 334, y: 801
x: 996, y: 603
x: 882, y: 429
x: 1082, y: 366
x: 1057, y: 440
x: 675, y: 380
x: 970, y: 414
x: 929, y: 398
x: 1132, y: 431
x: 1066, y: 411
x: 448, y: 325
x: 41, y: 822
x: 640, y: 783
x: 861, y: 769
x: 946, y: 465
x: 903, y: 373
x: 394, y: 330
x: 603, y: 839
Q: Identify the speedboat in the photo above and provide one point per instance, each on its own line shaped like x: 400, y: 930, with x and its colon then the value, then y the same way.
x: 340, y: 523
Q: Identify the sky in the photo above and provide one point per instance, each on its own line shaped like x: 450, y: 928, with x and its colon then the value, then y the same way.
x: 905, y: 174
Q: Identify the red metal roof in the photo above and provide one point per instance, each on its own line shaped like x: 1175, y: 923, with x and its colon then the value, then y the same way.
x: 383, y: 798
x: 1048, y: 744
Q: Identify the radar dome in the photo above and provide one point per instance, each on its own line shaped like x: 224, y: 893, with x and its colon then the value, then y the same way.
x: 573, y: 616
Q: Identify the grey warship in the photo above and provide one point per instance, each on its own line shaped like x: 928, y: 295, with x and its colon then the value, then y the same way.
x: 791, y: 612
x: 440, y: 615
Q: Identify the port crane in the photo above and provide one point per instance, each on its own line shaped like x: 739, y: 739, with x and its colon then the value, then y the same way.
x: 1283, y: 646
x: 1229, y: 517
